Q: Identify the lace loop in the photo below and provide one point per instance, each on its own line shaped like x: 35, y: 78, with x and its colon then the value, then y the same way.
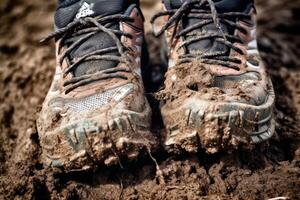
x: 188, y: 10
x: 91, y: 26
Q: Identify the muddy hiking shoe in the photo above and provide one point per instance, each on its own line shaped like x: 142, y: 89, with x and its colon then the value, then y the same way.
x: 216, y: 94
x: 95, y: 111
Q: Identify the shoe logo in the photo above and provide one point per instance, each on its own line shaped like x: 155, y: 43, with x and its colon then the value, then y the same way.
x: 85, y: 10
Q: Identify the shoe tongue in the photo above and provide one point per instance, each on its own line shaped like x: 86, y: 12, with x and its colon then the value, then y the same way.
x: 74, y: 9
x: 210, y: 45
x: 221, y: 5
x: 66, y: 13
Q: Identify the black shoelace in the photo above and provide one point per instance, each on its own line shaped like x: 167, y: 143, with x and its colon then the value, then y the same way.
x: 196, y: 9
x: 91, y: 26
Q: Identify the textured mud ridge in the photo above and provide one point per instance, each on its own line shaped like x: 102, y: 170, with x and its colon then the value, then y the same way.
x: 26, y: 68
x: 216, y: 133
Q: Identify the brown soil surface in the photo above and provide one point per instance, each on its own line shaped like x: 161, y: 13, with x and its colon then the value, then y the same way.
x: 26, y: 68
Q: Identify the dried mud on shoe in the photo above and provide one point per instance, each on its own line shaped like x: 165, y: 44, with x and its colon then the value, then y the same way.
x: 95, y: 112
x: 231, y: 107
x: 199, y: 115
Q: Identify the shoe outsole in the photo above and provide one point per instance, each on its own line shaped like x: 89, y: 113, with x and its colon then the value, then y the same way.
x: 231, y: 126
x: 88, y: 143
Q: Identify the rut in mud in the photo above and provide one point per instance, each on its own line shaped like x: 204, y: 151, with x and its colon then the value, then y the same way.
x: 26, y: 68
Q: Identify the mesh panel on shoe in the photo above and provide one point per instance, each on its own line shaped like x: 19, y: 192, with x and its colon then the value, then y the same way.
x: 98, y: 100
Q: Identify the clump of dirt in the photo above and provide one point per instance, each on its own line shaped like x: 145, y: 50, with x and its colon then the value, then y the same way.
x: 26, y: 70
x: 195, y: 80
x: 180, y: 82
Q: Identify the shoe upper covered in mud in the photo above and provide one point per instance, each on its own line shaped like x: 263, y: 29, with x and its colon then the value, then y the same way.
x: 216, y: 92
x: 96, y: 111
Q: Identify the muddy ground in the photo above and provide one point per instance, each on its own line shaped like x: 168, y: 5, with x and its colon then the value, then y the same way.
x: 26, y: 68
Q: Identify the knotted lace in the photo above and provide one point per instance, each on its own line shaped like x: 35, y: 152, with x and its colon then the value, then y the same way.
x: 88, y: 27
x: 197, y: 9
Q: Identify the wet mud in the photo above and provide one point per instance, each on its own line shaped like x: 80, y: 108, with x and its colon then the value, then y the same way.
x: 26, y: 68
